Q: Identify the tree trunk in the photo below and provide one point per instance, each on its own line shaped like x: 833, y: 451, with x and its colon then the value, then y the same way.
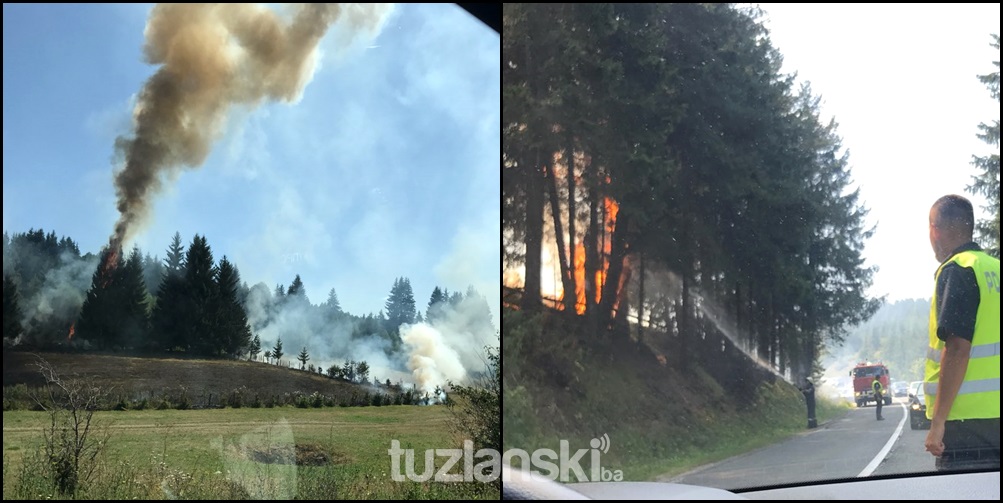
x: 640, y: 302
x: 534, y: 235
x: 568, y: 286
x: 618, y: 251
x: 569, y: 161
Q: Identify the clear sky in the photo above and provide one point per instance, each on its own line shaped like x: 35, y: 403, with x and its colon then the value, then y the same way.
x: 901, y: 82
x: 387, y: 166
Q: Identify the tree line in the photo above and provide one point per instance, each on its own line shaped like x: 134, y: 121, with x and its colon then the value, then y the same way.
x: 188, y: 303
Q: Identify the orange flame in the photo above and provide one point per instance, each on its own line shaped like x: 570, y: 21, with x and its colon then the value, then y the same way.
x: 72, y: 331
x: 578, y: 260
x: 108, y: 267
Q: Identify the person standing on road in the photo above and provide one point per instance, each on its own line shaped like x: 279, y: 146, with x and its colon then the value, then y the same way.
x: 809, y: 396
x: 962, y: 374
x: 879, y: 396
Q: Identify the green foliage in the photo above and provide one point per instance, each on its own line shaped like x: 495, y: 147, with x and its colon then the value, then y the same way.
x: 476, y: 409
x: 232, y: 334
x: 303, y: 357
x: 987, y: 181
x: 277, y: 350
x: 400, y: 306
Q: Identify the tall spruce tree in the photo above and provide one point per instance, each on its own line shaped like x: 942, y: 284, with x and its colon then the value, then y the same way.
x: 233, y: 332
x: 167, y: 333
x: 987, y: 181
x: 200, y: 327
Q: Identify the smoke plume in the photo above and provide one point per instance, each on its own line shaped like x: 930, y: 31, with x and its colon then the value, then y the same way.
x: 451, y: 347
x: 214, y: 56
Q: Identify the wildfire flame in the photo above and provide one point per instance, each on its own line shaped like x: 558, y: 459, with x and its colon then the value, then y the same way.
x: 109, y: 265
x: 72, y: 331
x: 611, y: 208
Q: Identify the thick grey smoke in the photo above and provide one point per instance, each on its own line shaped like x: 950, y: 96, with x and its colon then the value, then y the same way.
x: 214, y: 56
x: 59, y: 299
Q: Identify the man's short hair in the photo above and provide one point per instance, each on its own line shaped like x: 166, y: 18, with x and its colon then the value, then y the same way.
x: 955, y: 212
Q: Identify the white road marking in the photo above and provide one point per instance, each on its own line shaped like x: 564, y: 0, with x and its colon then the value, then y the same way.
x: 873, y: 465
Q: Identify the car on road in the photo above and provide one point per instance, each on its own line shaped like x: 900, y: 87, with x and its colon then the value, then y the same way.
x: 917, y: 407
x: 900, y: 388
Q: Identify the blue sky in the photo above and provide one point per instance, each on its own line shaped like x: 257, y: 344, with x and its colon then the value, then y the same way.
x: 385, y: 167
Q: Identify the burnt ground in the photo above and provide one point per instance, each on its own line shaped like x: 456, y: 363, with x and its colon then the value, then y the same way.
x: 142, y: 376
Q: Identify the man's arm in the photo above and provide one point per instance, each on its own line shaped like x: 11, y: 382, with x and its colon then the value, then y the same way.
x: 953, y: 365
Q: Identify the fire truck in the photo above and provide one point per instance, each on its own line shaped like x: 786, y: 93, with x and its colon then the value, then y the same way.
x: 863, y: 375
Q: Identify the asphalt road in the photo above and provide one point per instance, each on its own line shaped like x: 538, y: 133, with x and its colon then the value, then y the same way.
x: 855, y: 445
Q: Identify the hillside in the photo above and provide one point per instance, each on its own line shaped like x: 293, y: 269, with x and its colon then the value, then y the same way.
x: 204, y: 381
x: 660, y: 417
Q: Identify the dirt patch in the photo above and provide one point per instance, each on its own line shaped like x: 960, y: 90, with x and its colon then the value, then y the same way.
x: 301, y: 455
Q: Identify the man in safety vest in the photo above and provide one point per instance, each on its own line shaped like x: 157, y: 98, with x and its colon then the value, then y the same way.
x: 962, y: 375
x: 879, y: 396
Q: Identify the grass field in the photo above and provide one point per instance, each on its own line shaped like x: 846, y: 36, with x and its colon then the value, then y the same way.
x: 340, y: 453
x: 208, y: 452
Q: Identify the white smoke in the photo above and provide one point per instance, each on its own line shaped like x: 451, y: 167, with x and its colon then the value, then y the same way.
x: 328, y: 338
x: 433, y: 362
x: 61, y: 295
x: 451, y: 348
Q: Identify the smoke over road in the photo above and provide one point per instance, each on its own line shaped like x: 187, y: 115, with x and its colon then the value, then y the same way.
x: 214, y: 56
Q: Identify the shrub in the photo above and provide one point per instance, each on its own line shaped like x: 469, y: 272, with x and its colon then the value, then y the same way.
x: 72, y: 440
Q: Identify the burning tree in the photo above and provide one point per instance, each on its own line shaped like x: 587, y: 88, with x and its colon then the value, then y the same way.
x: 114, y: 314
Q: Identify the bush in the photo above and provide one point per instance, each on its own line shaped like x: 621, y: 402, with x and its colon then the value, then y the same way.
x: 479, y: 418
x: 317, y: 400
x: 301, y: 401
x: 256, y: 403
x: 72, y: 440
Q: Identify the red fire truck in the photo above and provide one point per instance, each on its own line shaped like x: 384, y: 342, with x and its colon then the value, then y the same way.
x: 863, y: 375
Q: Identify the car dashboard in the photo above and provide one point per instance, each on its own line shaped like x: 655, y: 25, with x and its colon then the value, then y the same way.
x: 983, y: 485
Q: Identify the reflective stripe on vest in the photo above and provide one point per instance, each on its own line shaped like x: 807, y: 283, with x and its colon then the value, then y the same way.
x: 979, y: 395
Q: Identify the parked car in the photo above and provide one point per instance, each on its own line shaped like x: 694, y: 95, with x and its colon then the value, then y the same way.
x: 917, y: 407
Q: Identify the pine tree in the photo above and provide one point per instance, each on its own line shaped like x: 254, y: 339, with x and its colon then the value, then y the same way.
x: 200, y: 327
x: 99, y: 315
x: 332, y: 308
x: 132, y: 304
x: 255, y: 348
x: 303, y: 358
x: 362, y: 371
x: 297, y: 293
x: 435, y: 304
x: 987, y: 181
x: 234, y: 334
x: 400, y: 305
x: 167, y: 331
x: 277, y: 351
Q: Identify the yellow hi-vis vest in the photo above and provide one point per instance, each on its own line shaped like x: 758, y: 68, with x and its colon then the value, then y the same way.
x: 979, y: 396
